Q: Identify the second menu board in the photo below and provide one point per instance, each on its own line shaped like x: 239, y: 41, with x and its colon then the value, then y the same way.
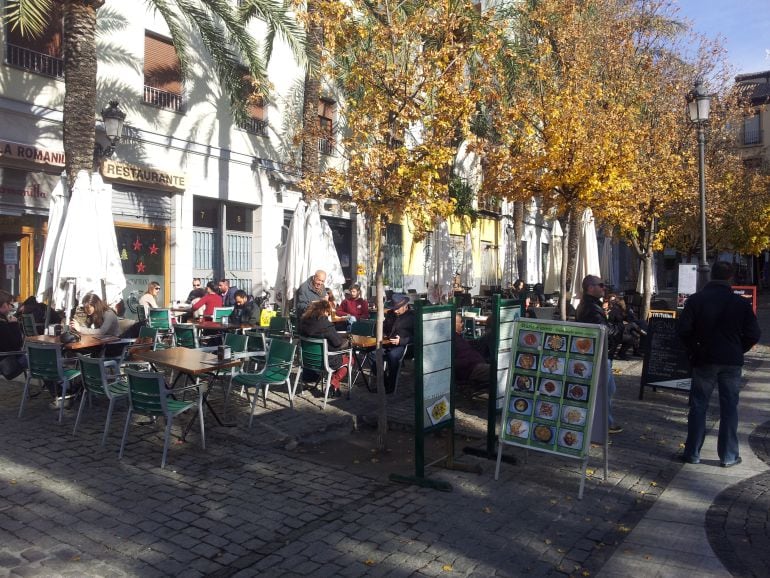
x: 552, y: 386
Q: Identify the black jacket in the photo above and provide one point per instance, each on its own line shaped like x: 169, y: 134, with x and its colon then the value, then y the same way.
x: 717, y: 326
x: 11, y: 338
x: 401, y: 325
x: 249, y: 313
x: 322, y: 328
x: 590, y: 311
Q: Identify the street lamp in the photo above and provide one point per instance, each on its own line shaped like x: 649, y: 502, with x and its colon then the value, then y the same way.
x: 698, y: 105
x: 113, y: 119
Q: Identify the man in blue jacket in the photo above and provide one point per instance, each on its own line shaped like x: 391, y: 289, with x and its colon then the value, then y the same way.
x: 717, y: 327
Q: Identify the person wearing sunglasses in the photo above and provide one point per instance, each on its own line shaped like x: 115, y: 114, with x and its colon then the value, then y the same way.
x: 590, y: 310
x: 197, y: 291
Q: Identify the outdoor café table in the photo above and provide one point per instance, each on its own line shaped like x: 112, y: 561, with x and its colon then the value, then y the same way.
x: 362, y: 346
x: 221, y: 327
x: 193, y: 363
x: 86, y: 341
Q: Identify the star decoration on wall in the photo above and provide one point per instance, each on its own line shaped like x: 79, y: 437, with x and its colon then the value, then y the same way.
x: 137, y: 245
x: 140, y: 267
x: 154, y: 249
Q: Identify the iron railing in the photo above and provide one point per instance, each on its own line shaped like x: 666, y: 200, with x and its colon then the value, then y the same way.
x: 33, y: 61
x: 163, y: 99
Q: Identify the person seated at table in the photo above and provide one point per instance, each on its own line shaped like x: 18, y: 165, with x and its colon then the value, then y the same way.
x: 313, y: 289
x: 38, y: 310
x: 469, y: 364
x: 227, y: 292
x: 315, y: 322
x: 208, y: 302
x: 11, y: 339
x: 100, y: 319
x: 148, y: 299
x: 246, y: 310
x: 398, y: 332
x: 196, y: 293
x: 353, y: 306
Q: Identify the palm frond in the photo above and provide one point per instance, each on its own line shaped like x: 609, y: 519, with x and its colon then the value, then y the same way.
x: 279, y: 21
x: 29, y: 16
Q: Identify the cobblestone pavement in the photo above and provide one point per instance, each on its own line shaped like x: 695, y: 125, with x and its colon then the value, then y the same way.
x: 261, y: 501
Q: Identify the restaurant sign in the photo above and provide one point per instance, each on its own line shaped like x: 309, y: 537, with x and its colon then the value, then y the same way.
x: 31, y: 153
x: 147, y: 176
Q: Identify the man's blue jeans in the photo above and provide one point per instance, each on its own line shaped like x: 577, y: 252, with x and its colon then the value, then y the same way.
x: 728, y: 380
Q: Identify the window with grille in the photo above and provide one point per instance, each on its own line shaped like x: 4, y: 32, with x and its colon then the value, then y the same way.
x: 326, y: 112
x: 752, y: 133
x: 162, y: 74
x: 256, y: 122
x: 39, y: 54
x: 393, y: 274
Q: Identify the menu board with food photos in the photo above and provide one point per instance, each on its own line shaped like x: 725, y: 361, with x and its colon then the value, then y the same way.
x: 552, y: 387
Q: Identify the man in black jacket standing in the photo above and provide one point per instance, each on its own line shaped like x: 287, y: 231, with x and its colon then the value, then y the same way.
x: 717, y: 327
x: 590, y: 310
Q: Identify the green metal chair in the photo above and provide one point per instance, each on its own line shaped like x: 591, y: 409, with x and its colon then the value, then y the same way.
x: 221, y: 312
x: 365, y: 327
x: 47, y: 365
x: 186, y: 335
x: 280, y: 328
x: 101, y: 378
x: 277, y: 370
x: 141, y: 314
x: 28, y: 325
x: 314, y: 356
x: 148, y: 395
x: 160, y: 319
x: 257, y: 346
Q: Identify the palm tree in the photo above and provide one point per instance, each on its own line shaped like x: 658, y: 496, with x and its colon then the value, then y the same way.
x: 221, y: 29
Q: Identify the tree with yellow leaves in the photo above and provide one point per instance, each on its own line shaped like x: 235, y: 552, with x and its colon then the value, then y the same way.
x: 412, y: 74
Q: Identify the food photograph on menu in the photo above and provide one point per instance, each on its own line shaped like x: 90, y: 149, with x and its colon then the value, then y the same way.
x: 546, y: 410
x: 552, y: 365
x: 573, y: 415
x: 555, y: 342
x: 577, y: 391
x: 526, y: 361
x: 582, y: 345
x: 521, y: 405
x: 518, y: 428
x: 543, y: 433
x: 550, y: 387
x: 523, y: 383
x: 580, y: 368
x: 570, y: 439
x: 530, y: 339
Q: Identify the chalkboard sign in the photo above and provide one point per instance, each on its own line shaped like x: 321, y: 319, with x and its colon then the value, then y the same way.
x: 665, y: 358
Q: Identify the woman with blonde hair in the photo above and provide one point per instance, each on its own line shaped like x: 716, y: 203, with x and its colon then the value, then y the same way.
x: 148, y: 300
x: 100, y: 319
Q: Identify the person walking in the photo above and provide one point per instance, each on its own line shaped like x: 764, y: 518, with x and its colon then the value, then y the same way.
x: 590, y: 310
x: 717, y: 327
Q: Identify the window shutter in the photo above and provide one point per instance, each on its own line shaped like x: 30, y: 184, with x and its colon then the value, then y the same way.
x: 162, y: 69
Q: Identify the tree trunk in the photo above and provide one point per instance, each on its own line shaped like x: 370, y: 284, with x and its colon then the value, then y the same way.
x: 382, y: 401
x: 571, y: 255
x: 563, y: 297
x: 647, y: 284
x: 310, y: 161
x: 518, y: 233
x: 79, y: 51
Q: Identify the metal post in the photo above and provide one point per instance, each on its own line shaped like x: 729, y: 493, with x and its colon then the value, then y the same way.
x: 703, y: 265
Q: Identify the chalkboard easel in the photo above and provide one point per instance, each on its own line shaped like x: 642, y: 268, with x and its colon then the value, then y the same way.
x: 665, y: 359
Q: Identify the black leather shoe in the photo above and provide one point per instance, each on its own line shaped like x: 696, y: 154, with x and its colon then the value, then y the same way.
x: 689, y: 459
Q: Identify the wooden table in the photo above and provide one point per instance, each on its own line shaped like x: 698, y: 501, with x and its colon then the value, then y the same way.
x: 362, y: 346
x: 86, y: 341
x: 217, y: 326
x: 194, y: 363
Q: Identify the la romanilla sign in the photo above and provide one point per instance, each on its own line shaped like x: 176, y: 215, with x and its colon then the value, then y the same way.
x: 30, y: 153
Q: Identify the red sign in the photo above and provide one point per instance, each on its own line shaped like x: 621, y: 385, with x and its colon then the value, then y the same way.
x: 747, y: 292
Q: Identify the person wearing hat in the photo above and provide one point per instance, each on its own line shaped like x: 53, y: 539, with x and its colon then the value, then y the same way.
x: 397, y: 333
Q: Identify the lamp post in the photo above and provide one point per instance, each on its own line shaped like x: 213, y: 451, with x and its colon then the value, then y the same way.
x: 699, y: 105
x: 113, y: 119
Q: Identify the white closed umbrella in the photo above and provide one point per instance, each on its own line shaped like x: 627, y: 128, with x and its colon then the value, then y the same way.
x: 509, y: 258
x: 57, y: 209
x: 468, y: 274
x: 335, y: 277
x: 114, y: 281
x: 587, y: 260
x: 552, y: 284
x: 292, y: 261
x: 605, y: 261
x: 314, y: 242
x: 440, y: 272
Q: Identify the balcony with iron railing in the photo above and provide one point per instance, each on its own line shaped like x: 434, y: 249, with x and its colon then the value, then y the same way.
x: 751, y: 136
x: 254, y: 126
x: 326, y: 146
x: 36, y: 62
x: 163, y: 99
